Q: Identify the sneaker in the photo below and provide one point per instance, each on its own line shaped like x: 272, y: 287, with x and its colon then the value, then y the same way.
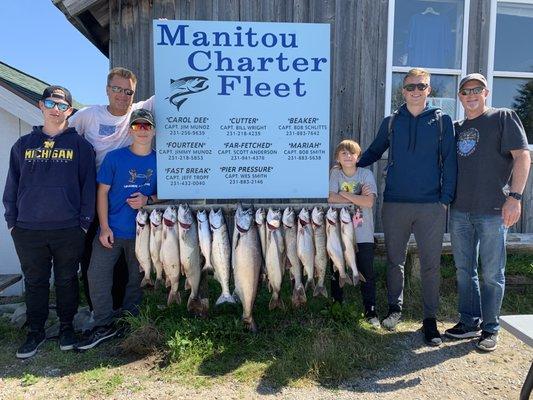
x: 461, y: 331
x: 431, y: 333
x: 372, y: 318
x: 391, y: 320
x: 32, y: 343
x: 96, y: 336
x: 488, y: 341
x: 67, y: 339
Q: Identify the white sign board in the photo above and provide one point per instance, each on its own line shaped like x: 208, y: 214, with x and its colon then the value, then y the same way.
x: 242, y: 109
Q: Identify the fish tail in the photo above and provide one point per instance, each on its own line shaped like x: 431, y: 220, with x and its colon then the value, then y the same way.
x: 320, y: 290
x: 310, y: 283
x: 173, y: 297
x: 361, y: 277
x: 196, y: 306
x: 146, y: 281
x: 345, y: 280
x: 249, y: 323
x: 225, y: 298
x: 298, y: 296
x: 276, y: 302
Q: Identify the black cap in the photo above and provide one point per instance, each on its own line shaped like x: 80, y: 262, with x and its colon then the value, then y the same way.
x: 142, y: 115
x: 57, y: 92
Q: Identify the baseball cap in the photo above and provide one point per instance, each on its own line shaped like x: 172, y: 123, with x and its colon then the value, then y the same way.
x: 473, y: 77
x: 57, y: 92
x: 142, y: 115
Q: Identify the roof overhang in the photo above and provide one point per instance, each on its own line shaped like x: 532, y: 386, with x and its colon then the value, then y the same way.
x: 24, y: 109
x: 91, y: 18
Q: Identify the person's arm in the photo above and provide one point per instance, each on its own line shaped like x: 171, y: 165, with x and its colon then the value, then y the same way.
x: 138, y: 200
x: 512, y: 208
x: 102, y: 207
x: 378, y: 146
x: 449, y: 162
x: 12, y: 187
x: 87, y: 177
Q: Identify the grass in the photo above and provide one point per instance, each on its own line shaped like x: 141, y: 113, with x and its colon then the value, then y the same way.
x: 325, y: 343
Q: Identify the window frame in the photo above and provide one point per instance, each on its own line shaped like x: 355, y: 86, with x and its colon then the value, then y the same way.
x: 457, y: 73
x: 491, y: 72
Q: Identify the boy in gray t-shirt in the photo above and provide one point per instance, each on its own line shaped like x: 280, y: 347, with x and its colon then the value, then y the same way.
x: 350, y: 184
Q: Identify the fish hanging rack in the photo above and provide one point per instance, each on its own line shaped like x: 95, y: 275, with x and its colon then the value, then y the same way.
x: 231, y: 207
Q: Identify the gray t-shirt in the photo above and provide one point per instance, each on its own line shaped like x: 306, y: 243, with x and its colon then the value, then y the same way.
x: 484, y: 159
x: 363, y: 218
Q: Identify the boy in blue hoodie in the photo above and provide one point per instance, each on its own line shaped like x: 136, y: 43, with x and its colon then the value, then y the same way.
x: 49, y: 201
x: 420, y: 184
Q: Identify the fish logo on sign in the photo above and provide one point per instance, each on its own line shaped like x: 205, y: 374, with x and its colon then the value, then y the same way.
x: 182, y: 88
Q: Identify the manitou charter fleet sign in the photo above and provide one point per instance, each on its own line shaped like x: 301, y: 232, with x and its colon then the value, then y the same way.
x: 242, y: 109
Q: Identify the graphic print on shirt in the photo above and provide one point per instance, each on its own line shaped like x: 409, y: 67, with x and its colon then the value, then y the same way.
x: 467, y: 142
x: 47, y: 152
x: 106, y: 130
x: 139, y: 179
x: 354, y: 188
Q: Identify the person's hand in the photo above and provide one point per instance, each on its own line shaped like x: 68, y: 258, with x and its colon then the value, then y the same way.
x: 511, y: 211
x: 366, y: 190
x: 137, y: 200
x: 106, y: 237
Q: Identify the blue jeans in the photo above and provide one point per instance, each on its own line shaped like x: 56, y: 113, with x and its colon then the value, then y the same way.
x: 476, y: 236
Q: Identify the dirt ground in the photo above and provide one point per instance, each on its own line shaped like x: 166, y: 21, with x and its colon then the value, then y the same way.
x: 456, y: 370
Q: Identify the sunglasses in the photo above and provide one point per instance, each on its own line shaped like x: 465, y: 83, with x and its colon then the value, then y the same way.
x: 51, y: 104
x: 410, y: 87
x: 118, y: 89
x: 141, y: 126
x: 476, y: 90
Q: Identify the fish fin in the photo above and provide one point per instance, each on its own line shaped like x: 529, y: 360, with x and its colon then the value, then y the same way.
x: 361, y: 277
x: 249, y: 323
x: 345, y: 280
x: 225, y: 298
x: 146, y: 281
x: 320, y: 290
x: 197, y: 306
x: 276, y: 302
x: 187, y: 285
x: 179, y: 103
x: 173, y: 297
x: 158, y: 284
x: 172, y: 80
x: 310, y: 283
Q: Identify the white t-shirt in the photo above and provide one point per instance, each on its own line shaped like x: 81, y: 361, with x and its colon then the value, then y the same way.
x: 104, y: 130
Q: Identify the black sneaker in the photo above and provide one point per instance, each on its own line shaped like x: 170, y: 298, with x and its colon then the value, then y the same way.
x: 431, y: 333
x: 372, y: 318
x: 461, y: 331
x: 96, y: 336
x: 391, y: 320
x: 488, y: 341
x: 67, y: 339
x: 32, y: 343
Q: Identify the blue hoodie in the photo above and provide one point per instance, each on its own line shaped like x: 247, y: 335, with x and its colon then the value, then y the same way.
x: 51, y: 183
x: 415, y: 175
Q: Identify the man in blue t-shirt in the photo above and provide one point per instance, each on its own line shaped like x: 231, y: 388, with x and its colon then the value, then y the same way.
x: 126, y: 182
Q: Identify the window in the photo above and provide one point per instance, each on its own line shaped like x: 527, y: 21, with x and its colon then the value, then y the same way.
x: 511, y: 59
x: 427, y: 34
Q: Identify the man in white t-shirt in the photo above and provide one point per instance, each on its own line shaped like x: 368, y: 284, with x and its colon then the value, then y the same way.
x: 106, y: 128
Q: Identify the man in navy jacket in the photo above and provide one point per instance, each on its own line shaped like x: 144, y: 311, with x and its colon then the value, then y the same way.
x: 49, y: 201
x: 420, y: 184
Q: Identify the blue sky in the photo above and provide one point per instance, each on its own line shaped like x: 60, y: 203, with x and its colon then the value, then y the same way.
x: 36, y: 38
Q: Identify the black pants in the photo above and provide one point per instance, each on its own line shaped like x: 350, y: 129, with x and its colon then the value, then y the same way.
x: 120, y: 271
x: 38, y: 250
x: 365, y: 265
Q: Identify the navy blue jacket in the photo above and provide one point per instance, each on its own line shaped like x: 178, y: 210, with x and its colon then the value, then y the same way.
x: 51, y: 183
x: 415, y: 175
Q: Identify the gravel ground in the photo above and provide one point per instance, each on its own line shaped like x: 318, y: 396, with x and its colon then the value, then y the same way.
x: 456, y: 370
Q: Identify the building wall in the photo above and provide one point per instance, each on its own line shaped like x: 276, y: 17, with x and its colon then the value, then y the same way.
x: 358, y: 45
x: 12, y: 129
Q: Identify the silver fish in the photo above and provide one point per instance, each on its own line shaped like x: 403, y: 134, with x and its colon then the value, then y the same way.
x: 142, y: 245
x: 170, y: 254
x: 260, y: 220
x: 220, y: 254
x: 334, y: 246
x: 204, y: 235
x: 306, y: 247
x: 290, y: 229
x: 190, y: 258
x: 274, y: 257
x: 156, y: 236
x: 349, y: 244
x: 247, y: 265
x: 321, y: 255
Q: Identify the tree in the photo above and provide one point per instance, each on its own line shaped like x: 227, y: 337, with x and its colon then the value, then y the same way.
x: 523, y: 105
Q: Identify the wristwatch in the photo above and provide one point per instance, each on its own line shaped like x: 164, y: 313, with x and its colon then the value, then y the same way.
x: 515, y: 195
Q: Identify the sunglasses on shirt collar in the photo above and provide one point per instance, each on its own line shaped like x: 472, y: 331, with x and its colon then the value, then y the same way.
x: 51, y: 104
x: 410, y: 87
x: 476, y: 90
x: 118, y: 89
